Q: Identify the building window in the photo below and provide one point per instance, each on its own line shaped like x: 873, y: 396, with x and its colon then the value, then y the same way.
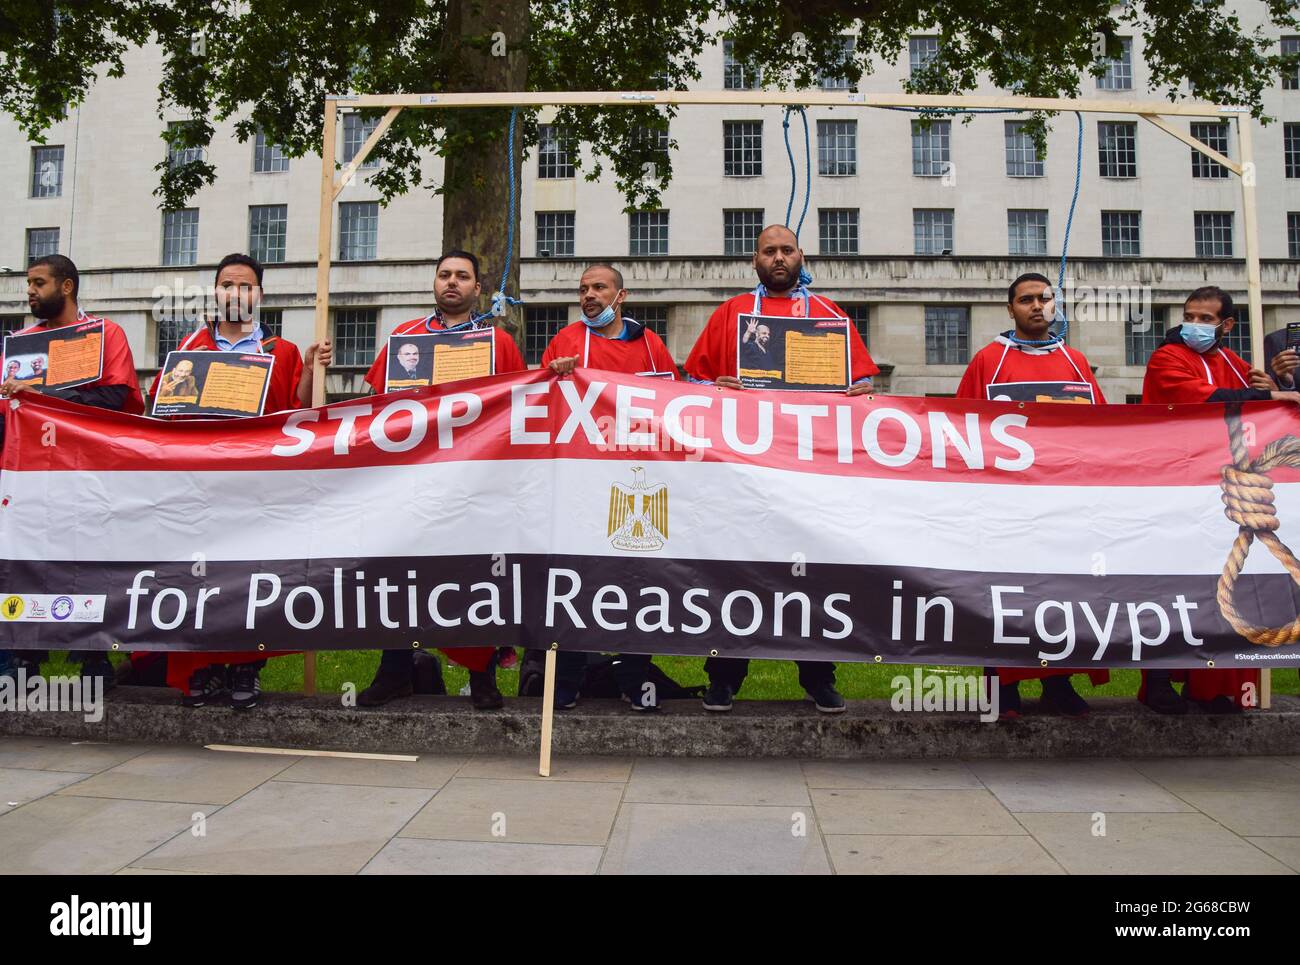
x: 356, y: 129
x: 355, y: 331
x: 837, y: 148
x: 266, y: 232
x: 1117, y: 148
x: 1239, y: 338
x: 1291, y: 149
x: 1121, y: 234
x: 47, y: 172
x: 181, y: 237
x: 11, y: 323
x: 180, y: 156
x: 1026, y: 232
x: 740, y: 230
x: 1023, y: 159
x: 921, y: 52
x: 832, y: 79
x: 1213, y: 234
x: 1143, y: 335
x: 837, y: 231
x: 268, y: 158
x: 736, y: 75
x: 553, y: 159
x: 1215, y: 136
x: 272, y: 321
x: 1119, y: 69
x: 554, y: 234
x: 742, y: 149
x: 358, y: 230
x: 930, y: 148
x: 1291, y: 79
x: 947, y: 335
x: 1293, y: 234
x: 540, y: 326
x: 41, y: 242
x: 171, y: 332
x: 652, y: 139
x: 653, y: 317
x: 648, y: 233
x: 932, y: 231
x: 859, y: 314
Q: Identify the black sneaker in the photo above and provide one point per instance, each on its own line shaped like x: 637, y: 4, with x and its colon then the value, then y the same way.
x: 483, y: 693
x: 828, y: 699
x: 1161, y: 696
x: 1222, y: 704
x: 718, y: 698
x: 245, y: 686
x: 1060, y: 697
x: 385, y: 687
x: 566, y: 696
x: 207, y: 686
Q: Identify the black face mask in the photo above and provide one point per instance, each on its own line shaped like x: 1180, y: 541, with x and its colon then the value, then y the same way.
x: 51, y: 307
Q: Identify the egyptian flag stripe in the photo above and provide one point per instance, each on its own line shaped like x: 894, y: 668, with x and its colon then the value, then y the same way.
x: 615, y: 417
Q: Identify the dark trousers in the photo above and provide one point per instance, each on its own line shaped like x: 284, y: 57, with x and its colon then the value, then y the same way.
x: 630, y: 670
x: 733, y: 670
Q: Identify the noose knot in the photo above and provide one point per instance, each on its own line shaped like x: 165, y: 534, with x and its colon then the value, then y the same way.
x: 1248, y: 497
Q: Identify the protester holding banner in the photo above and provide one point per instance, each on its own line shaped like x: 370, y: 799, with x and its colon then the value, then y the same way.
x: 1193, y: 365
x: 1030, y: 364
x: 108, y: 379
x: 456, y: 289
x: 607, y: 339
x: 209, y: 677
x: 782, y: 292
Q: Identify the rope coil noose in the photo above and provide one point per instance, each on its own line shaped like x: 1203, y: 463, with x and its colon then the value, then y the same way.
x: 1248, y: 496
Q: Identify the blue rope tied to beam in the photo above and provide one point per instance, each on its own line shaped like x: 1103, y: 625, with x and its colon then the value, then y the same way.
x: 1063, y: 322
x: 499, y: 298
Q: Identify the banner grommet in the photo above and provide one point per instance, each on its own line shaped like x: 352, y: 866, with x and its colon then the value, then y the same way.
x: 415, y: 644
x: 261, y: 647
x: 878, y: 658
x: 713, y: 653
x: 1209, y: 664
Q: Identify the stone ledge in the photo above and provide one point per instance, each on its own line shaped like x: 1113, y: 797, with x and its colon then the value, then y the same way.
x: 1118, y: 727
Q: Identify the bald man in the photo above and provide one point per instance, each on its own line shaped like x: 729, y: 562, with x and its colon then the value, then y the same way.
x: 781, y: 292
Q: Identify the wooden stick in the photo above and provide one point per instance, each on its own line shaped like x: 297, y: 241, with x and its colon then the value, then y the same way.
x: 1194, y: 143
x: 802, y: 98
x: 296, y: 752
x: 548, y: 712
x: 346, y: 175
x: 1254, y: 296
x: 324, y: 240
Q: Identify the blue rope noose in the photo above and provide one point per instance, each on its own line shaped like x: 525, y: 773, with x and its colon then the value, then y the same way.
x: 807, y: 160
x: 499, y: 298
x: 1069, y: 221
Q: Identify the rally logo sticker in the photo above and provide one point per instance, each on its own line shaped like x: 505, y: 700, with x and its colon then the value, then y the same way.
x: 12, y: 608
x: 62, y: 608
x: 638, y: 514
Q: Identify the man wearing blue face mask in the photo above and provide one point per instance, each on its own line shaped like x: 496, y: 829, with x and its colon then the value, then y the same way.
x: 1193, y: 365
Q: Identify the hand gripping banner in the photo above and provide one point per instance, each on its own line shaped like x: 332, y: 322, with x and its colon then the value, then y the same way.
x: 610, y: 512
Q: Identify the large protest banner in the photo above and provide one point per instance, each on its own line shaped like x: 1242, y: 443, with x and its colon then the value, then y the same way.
x: 607, y: 511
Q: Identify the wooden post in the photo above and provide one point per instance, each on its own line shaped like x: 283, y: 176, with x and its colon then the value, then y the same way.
x: 324, y: 242
x: 548, y: 711
x: 1255, y: 298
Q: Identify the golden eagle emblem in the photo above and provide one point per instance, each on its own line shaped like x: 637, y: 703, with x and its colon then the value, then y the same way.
x: 638, y: 514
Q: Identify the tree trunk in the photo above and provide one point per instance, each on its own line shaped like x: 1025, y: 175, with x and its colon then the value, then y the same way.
x: 477, y: 185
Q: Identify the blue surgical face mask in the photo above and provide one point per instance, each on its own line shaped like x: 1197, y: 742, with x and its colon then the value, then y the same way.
x: 1199, y: 337
x: 603, y: 319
